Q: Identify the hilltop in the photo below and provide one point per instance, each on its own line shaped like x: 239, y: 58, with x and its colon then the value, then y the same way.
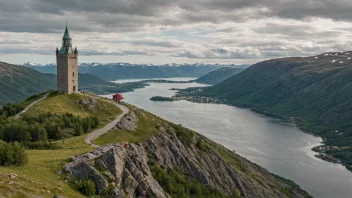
x: 160, y: 159
x: 314, y: 91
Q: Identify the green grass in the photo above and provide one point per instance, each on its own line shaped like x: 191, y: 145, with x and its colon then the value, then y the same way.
x: 147, y: 127
x: 68, y: 103
x: 40, y: 176
x: 31, y: 99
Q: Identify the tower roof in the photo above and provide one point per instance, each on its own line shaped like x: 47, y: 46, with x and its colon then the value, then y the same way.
x: 66, y: 43
x: 66, y: 34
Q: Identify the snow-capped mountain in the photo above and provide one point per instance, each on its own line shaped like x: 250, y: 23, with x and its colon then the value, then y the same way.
x: 113, y: 71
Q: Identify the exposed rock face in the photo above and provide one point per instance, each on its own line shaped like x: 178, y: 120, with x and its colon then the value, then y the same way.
x: 210, y: 168
x: 127, y: 168
x: 128, y: 123
x: 89, y: 102
x: 115, y: 193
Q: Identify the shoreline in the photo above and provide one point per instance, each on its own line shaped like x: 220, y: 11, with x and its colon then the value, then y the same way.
x: 319, y: 154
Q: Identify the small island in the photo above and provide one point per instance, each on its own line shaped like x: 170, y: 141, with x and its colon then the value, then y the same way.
x: 160, y: 98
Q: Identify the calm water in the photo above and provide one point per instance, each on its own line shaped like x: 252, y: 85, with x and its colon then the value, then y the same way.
x: 272, y: 143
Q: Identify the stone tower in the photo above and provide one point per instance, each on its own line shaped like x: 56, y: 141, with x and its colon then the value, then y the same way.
x: 67, y: 66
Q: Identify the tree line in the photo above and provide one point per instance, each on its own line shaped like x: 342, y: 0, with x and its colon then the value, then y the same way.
x: 37, y: 131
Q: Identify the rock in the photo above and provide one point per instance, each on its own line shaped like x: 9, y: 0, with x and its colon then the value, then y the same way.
x: 13, y: 176
x: 114, y: 160
x: 128, y: 123
x: 141, y: 113
x: 129, y: 184
x: 84, y: 171
x: 115, y: 193
x: 89, y: 102
x: 127, y: 167
x: 200, y: 174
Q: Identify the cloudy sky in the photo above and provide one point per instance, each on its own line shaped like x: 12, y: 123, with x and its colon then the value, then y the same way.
x: 174, y: 31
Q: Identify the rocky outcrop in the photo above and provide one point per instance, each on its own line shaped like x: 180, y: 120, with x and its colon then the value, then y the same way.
x: 89, y: 102
x: 127, y: 170
x: 211, y: 168
x: 128, y: 122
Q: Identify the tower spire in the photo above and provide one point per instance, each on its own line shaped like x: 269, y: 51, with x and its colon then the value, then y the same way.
x: 66, y: 34
x: 66, y: 42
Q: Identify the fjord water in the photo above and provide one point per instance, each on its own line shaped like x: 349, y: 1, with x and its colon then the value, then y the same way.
x: 272, y: 143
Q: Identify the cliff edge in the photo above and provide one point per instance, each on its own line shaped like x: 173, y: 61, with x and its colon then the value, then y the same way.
x: 172, y: 162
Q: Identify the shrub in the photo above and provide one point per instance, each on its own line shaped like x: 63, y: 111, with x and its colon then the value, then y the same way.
x: 183, y: 134
x: 201, y: 145
x: 12, y: 154
x: 19, y: 155
x: 87, y: 187
x: 78, y: 130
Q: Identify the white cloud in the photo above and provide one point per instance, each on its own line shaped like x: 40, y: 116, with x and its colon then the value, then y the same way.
x: 224, y: 31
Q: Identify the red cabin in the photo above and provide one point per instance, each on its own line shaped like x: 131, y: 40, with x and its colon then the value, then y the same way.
x: 117, y: 97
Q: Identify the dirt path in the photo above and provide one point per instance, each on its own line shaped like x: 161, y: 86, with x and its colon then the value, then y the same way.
x: 95, y: 134
x: 31, y: 105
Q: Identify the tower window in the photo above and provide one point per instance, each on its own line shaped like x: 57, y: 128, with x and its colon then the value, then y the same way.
x: 73, y: 73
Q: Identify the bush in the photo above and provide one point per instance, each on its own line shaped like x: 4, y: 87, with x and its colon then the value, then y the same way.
x: 12, y: 154
x: 87, y: 187
x: 78, y: 130
x: 19, y: 155
x: 9, y: 110
x: 201, y: 145
x: 183, y: 134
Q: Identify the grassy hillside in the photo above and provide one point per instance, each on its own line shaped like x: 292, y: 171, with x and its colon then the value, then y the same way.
x: 18, y: 83
x: 219, y: 75
x: 147, y: 127
x: 40, y: 176
x: 61, y: 104
x: 315, y: 91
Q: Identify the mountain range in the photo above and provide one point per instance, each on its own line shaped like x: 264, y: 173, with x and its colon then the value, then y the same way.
x: 20, y: 82
x: 113, y: 71
x: 315, y: 92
